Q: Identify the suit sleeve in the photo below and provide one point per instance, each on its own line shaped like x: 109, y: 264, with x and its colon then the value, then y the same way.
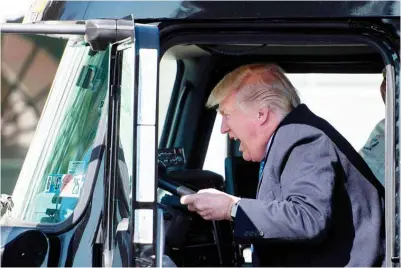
x: 303, y: 212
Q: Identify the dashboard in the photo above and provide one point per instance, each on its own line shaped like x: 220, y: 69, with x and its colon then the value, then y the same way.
x: 171, y: 158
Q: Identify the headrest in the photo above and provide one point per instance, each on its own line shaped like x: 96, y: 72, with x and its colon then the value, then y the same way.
x: 196, y: 178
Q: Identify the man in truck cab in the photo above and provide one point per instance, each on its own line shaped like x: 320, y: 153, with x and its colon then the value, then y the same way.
x: 317, y: 203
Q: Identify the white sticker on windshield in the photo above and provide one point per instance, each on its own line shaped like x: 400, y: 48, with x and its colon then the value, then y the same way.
x: 72, y: 185
x: 76, y: 167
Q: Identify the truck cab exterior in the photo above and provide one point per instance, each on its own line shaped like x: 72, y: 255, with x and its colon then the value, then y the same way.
x: 125, y: 130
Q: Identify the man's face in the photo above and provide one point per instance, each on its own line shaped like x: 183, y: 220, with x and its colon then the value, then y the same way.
x: 241, y: 124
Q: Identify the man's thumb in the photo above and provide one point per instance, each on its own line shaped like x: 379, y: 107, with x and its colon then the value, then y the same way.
x: 186, y: 199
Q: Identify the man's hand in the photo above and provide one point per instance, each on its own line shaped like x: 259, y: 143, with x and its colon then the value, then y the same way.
x: 210, y: 204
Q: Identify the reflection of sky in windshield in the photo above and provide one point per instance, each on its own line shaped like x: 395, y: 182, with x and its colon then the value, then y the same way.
x: 146, y: 9
x: 226, y: 9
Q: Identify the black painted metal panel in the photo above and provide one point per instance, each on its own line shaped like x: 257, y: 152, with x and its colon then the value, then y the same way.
x: 218, y: 10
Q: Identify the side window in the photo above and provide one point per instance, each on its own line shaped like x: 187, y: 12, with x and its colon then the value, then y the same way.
x: 126, y: 127
x: 353, y: 104
x: 217, y: 149
x: 167, y: 77
x: 350, y: 102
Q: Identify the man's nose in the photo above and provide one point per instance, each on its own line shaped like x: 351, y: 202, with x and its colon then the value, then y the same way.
x: 224, y: 128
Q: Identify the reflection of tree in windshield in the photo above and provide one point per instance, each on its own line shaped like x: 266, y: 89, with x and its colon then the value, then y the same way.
x: 79, y: 125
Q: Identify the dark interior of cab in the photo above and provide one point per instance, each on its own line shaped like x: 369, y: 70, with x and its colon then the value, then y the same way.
x: 202, y: 61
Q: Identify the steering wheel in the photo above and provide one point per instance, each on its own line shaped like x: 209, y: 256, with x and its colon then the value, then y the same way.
x: 174, y: 188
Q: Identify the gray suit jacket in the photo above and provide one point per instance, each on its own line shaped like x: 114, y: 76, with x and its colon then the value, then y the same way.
x: 318, y: 203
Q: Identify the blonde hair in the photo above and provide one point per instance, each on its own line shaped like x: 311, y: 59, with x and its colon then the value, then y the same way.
x: 257, y: 84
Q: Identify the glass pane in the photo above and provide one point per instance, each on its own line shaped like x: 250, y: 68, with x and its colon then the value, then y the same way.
x: 353, y: 104
x: 217, y: 149
x: 167, y: 77
x: 126, y: 128
x: 59, y: 155
x: 361, y: 108
x: 168, y: 74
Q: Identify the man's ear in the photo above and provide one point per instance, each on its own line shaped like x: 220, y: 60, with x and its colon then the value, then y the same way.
x: 263, y: 115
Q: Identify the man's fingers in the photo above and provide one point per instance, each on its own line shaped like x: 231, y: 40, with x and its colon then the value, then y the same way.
x: 203, y: 191
x: 207, y: 217
x: 208, y: 190
x: 188, y: 199
x: 191, y: 207
x: 203, y: 213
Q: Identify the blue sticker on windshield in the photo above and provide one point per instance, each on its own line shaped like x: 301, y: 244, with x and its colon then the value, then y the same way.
x: 76, y: 167
x: 53, y: 183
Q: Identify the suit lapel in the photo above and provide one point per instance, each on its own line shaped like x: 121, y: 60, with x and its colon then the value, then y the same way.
x: 265, y: 162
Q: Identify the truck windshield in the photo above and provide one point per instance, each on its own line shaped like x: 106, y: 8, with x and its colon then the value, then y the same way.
x: 53, y: 174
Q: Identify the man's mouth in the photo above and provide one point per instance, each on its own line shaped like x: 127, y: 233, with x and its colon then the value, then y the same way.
x: 240, y: 143
x: 233, y: 138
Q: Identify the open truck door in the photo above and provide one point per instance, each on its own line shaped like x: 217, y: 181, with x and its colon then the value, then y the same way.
x: 86, y: 194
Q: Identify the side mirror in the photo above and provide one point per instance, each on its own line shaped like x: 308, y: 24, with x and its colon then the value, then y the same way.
x: 6, y: 205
